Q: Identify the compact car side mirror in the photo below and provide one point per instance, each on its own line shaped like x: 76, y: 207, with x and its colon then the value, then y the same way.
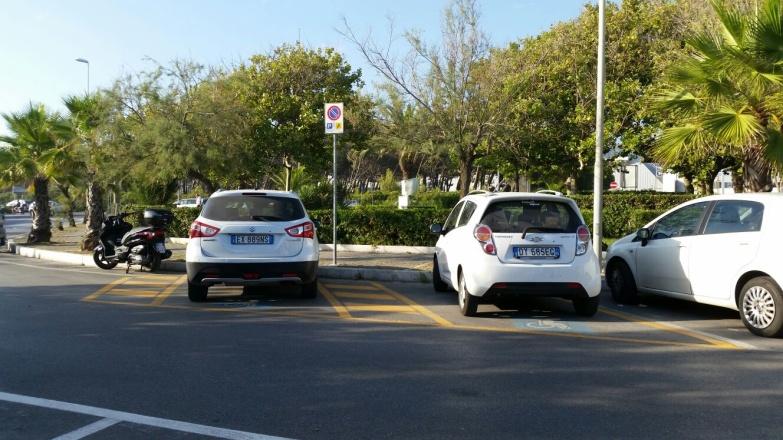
x: 643, y: 235
x: 436, y: 229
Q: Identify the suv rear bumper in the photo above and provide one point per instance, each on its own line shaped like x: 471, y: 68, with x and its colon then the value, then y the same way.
x: 251, y: 274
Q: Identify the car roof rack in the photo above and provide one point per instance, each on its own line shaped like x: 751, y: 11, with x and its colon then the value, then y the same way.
x: 477, y: 191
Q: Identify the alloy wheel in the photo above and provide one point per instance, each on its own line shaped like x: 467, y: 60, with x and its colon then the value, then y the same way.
x: 758, y: 306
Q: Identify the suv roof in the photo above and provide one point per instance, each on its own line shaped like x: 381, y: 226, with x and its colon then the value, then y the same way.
x: 491, y: 196
x: 238, y: 192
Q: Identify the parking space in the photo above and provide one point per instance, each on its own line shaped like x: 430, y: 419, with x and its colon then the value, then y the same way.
x: 418, y: 304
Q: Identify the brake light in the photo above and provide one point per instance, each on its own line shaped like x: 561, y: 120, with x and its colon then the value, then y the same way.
x: 582, y: 240
x: 483, y: 234
x: 198, y: 229
x: 305, y: 230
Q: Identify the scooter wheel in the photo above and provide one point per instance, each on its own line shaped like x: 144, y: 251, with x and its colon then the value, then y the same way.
x: 101, y: 261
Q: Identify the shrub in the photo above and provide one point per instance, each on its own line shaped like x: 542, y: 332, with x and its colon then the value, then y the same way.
x: 435, y: 199
x: 380, y: 225
x: 388, y: 183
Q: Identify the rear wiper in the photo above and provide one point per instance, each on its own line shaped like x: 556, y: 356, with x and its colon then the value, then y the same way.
x: 541, y: 230
x: 262, y: 218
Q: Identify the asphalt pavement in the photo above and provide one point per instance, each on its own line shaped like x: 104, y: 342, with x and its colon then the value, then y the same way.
x: 128, y: 356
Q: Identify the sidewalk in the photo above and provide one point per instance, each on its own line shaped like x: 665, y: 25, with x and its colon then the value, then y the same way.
x: 385, y: 264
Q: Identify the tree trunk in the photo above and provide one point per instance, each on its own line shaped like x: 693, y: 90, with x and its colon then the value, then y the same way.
x: 94, y: 215
x: 571, y: 185
x: 70, y: 204
x: 288, y: 167
x: 757, y: 175
x: 465, y: 173
x: 42, y: 222
x: 403, y: 165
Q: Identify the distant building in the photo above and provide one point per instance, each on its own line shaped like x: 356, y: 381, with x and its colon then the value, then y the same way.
x: 635, y: 175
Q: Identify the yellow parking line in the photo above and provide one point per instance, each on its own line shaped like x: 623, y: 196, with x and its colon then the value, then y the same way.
x: 665, y: 327
x: 146, y: 283
x: 133, y: 292
x: 342, y: 312
x: 350, y: 286
x: 416, y: 306
x: 169, y: 290
x: 105, y: 289
x: 363, y: 295
x: 355, y: 307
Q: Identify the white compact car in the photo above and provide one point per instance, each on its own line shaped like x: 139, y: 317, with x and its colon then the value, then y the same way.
x: 496, y: 246
x: 719, y: 250
x: 252, y: 238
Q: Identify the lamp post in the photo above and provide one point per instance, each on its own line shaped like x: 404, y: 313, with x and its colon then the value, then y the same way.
x: 82, y: 60
x: 598, y: 176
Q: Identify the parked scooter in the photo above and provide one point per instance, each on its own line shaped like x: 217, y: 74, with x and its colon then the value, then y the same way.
x: 143, y: 245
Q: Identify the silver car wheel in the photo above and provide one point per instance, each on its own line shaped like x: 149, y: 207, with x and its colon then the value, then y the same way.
x: 758, y: 307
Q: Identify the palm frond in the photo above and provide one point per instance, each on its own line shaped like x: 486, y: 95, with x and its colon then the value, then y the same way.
x: 734, y: 23
x: 731, y: 126
x: 677, y: 142
x: 774, y: 148
x: 681, y: 101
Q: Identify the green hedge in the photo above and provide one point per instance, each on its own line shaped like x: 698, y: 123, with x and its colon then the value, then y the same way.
x: 387, y: 225
x: 380, y: 225
x: 179, y: 226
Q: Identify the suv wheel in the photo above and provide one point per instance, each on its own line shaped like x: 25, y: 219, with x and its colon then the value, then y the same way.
x: 586, y: 306
x: 197, y: 292
x: 761, y: 307
x: 468, y: 304
x: 437, y: 283
x: 621, y: 283
x: 310, y: 290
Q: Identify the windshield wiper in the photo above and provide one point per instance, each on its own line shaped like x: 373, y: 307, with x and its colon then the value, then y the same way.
x: 268, y: 218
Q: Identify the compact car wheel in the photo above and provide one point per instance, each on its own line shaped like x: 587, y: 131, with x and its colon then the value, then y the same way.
x: 197, y: 292
x: 437, y: 283
x: 621, y: 283
x: 761, y: 307
x: 468, y: 304
x: 586, y: 306
x: 310, y: 290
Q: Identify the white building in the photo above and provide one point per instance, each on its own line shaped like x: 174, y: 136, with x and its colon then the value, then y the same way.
x: 635, y: 175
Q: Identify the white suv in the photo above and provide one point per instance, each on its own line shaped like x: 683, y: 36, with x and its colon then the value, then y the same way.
x: 719, y: 250
x: 496, y: 246
x: 252, y: 238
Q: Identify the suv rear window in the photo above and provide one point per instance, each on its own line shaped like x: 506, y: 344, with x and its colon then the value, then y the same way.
x: 246, y: 208
x: 519, y: 216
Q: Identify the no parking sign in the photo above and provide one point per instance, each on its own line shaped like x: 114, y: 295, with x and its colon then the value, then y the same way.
x: 333, y: 118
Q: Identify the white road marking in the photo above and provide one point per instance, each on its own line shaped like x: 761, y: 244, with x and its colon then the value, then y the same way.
x: 90, y: 429
x: 139, y: 419
x: 44, y: 266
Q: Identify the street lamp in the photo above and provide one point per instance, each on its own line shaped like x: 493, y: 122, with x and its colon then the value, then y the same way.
x: 82, y: 60
x: 598, y: 175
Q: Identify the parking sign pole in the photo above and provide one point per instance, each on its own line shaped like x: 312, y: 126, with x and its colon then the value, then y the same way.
x: 334, y: 199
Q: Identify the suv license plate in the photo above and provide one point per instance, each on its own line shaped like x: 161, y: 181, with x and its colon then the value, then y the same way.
x: 537, y: 252
x: 252, y: 239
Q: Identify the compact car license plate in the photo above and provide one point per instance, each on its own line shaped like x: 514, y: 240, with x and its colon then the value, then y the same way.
x: 537, y: 252
x: 252, y: 239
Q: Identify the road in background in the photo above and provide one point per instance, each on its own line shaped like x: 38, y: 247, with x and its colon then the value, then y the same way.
x: 18, y: 225
x: 368, y: 360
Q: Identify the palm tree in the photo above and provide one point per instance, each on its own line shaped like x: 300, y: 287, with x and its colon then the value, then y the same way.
x: 85, y: 116
x: 34, y: 134
x: 727, y: 93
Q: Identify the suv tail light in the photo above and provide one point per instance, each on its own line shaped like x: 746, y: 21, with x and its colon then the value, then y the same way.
x: 305, y: 230
x: 483, y: 234
x: 198, y: 229
x: 582, y: 240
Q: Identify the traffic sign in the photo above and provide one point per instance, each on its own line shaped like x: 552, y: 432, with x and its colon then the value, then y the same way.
x: 333, y: 118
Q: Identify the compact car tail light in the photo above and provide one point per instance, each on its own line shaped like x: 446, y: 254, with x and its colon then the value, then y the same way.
x: 483, y: 234
x: 198, y: 229
x: 582, y: 240
x: 305, y: 230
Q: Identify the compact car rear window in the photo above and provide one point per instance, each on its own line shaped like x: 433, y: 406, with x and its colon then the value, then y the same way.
x: 519, y: 216
x: 248, y: 208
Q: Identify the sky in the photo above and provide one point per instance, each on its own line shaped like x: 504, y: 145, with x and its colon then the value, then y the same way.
x: 42, y: 38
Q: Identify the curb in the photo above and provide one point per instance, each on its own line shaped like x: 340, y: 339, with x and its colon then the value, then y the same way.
x: 341, y: 273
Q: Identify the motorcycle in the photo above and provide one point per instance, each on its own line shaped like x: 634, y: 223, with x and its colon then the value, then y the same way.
x: 144, y: 245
